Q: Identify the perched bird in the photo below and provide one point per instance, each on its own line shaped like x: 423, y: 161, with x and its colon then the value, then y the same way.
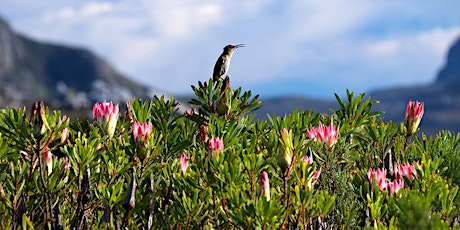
x: 223, y: 62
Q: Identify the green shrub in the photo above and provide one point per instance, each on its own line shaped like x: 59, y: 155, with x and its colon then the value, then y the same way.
x: 160, y: 169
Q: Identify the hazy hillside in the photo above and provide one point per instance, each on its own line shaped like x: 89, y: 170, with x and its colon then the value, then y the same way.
x: 285, y: 105
x: 441, y: 98
x: 64, y: 77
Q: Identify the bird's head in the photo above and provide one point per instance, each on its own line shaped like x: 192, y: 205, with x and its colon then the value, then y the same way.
x: 230, y: 48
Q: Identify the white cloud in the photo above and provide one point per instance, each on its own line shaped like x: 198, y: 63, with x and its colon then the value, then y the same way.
x: 438, y: 39
x: 96, y: 8
x: 181, y: 21
x: 424, y: 50
x: 384, y: 48
x: 393, y: 60
x: 62, y: 14
x: 66, y: 14
x: 316, y: 20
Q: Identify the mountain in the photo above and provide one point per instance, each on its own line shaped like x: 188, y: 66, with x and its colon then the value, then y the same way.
x: 64, y: 77
x: 441, y: 99
x: 451, y: 71
x: 284, y: 105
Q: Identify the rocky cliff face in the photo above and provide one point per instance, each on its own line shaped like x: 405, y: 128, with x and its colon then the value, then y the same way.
x: 451, y: 71
x: 65, y: 77
x: 441, y: 98
x: 11, y: 49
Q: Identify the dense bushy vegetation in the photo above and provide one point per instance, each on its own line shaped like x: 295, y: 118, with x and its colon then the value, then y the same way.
x: 216, y: 167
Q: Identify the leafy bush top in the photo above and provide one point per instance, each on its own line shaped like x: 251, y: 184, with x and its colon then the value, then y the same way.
x: 216, y: 167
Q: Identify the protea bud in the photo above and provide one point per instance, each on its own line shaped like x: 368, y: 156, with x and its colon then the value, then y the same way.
x: 65, y: 131
x: 141, y: 132
x: 38, y: 118
x: 203, y: 134
x: 216, y: 146
x: 106, y: 114
x: 48, y: 159
x: 307, y: 159
x: 67, y: 163
x: 222, y: 107
x: 183, y: 163
x: 64, y: 135
x: 317, y: 173
x: 395, y: 186
x: 313, y: 177
x: 265, y: 185
x: 286, y: 149
x: 414, y: 114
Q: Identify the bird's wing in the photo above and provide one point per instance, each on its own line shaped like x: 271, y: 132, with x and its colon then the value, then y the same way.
x: 220, y: 67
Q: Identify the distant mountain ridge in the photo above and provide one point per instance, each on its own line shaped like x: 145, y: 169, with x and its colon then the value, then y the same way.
x: 441, y: 99
x: 451, y: 71
x: 65, y: 77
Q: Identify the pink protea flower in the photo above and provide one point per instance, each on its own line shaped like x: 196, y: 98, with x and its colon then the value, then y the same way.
x: 183, y: 163
x: 312, y: 133
x: 141, y: 131
x: 317, y: 173
x: 395, y: 186
x: 67, y: 164
x: 265, y: 185
x: 380, y: 177
x: 128, y: 117
x: 284, y: 132
x: 307, y: 159
x: 48, y: 159
x: 325, y: 134
x: 407, y: 170
x: 190, y: 112
x: 65, y: 131
x: 106, y: 114
x: 64, y: 135
x: 215, y: 145
x: 412, y: 173
x: 312, y: 178
x: 414, y: 114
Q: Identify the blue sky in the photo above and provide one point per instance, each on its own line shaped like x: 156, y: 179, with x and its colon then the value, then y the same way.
x: 299, y: 47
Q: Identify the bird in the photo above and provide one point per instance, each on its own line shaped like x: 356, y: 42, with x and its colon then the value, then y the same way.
x: 223, y: 62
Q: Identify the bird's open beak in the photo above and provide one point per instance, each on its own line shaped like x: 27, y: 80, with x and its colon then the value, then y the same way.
x: 239, y: 45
